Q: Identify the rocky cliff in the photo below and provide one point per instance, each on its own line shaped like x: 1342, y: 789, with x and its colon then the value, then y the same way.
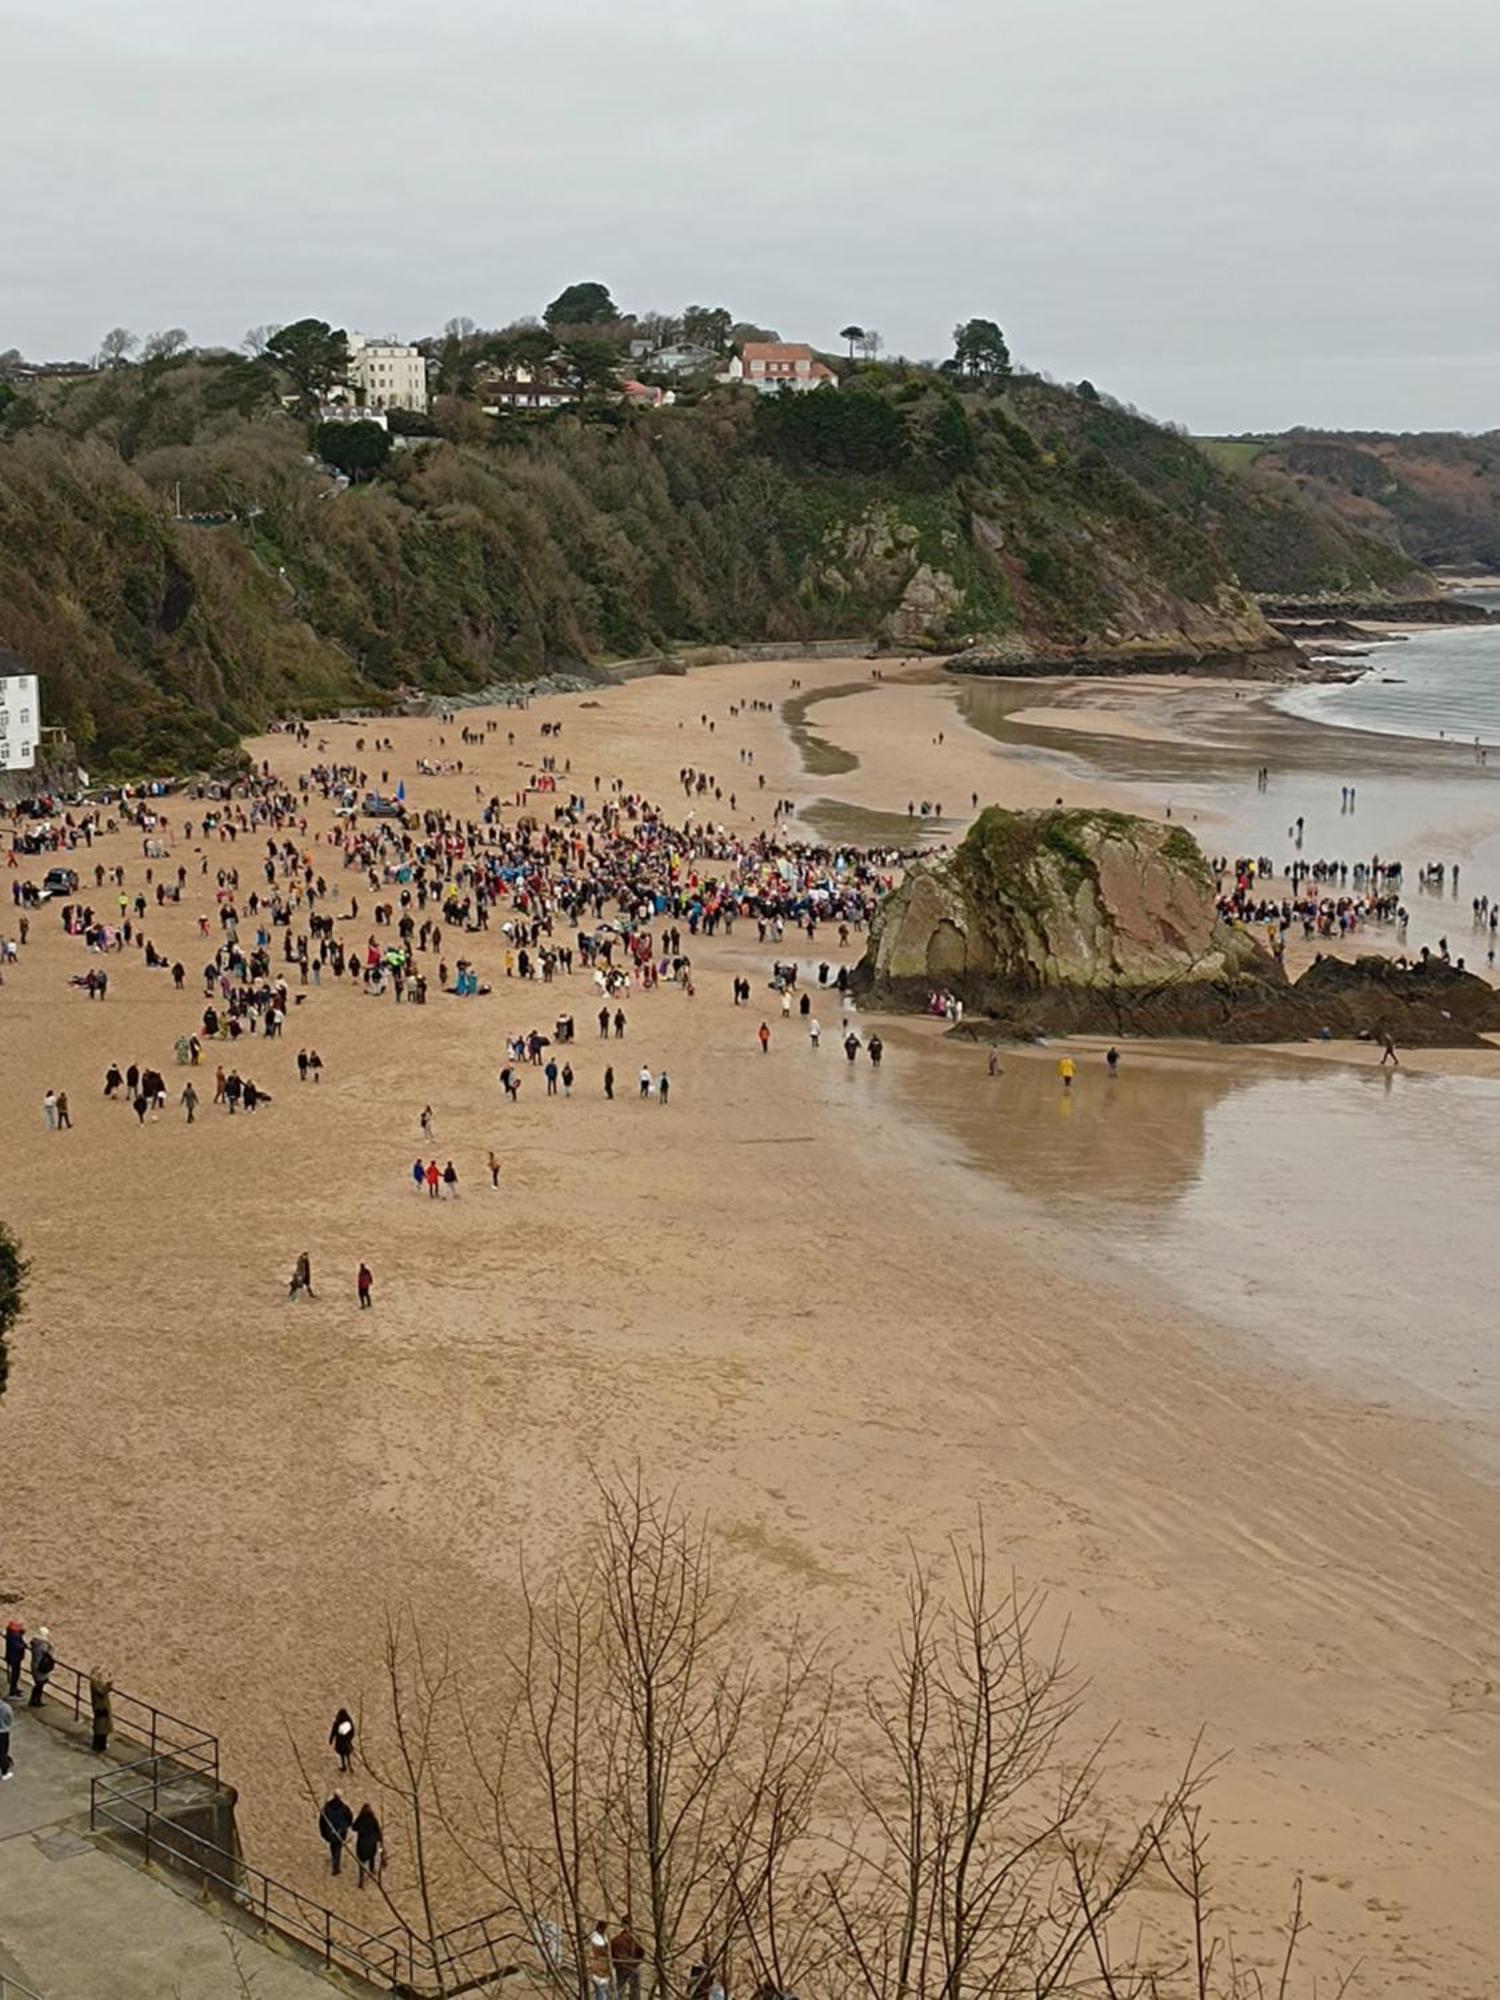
x: 1100, y: 922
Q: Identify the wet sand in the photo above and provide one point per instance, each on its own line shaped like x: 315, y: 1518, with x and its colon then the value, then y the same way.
x: 840, y: 1307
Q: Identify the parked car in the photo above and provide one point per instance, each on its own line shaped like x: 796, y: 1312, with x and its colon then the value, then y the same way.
x: 60, y: 882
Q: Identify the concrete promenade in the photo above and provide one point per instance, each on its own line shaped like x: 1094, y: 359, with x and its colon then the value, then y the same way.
x: 80, y: 1920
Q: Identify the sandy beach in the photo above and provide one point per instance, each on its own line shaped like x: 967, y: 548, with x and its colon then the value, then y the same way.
x: 839, y: 1308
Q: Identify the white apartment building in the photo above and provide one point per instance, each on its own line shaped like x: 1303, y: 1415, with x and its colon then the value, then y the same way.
x: 20, y: 718
x: 387, y: 373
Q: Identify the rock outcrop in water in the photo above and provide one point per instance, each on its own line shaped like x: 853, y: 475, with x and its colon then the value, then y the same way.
x: 1100, y: 922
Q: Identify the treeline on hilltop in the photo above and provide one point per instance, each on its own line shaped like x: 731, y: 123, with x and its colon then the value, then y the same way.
x: 938, y: 508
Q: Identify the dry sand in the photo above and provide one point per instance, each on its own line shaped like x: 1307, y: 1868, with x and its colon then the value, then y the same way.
x: 786, y: 1293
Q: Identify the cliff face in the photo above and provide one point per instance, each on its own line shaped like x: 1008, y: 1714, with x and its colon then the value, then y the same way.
x: 1098, y: 922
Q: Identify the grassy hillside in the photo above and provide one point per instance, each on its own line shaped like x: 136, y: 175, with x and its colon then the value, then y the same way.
x: 1275, y: 540
x: 1048, y: 522
x: 1435, y: 497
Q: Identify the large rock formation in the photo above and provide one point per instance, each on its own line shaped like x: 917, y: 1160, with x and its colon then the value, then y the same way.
x: 1101, y: 922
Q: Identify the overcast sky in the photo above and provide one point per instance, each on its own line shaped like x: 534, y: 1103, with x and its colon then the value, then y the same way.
x: 1237, y: 214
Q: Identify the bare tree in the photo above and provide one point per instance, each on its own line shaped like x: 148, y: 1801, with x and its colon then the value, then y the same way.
x: 258, y: 338
x: 163, y: 345
x: 648, y: 1764
x: 969, y: 1870
x: 117, y: 346
x: 870, y: 343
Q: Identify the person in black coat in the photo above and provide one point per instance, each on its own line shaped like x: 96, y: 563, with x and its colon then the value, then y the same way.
x: 334, y: 1822
x: 341, y: 1737
x: 367, y: 1844
x: 15, y: 1655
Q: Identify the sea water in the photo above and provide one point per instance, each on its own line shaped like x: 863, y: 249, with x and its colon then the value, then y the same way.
x: 1442, y: 684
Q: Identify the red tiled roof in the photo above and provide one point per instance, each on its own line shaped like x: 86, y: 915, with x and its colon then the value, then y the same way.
x: 775, y: 350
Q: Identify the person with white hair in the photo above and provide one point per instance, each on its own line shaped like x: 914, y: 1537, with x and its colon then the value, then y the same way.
x: 43, y: 1660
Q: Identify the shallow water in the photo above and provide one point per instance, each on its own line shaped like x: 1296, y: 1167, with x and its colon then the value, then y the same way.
x: 1228, y: 1179
x: 1444, y: 684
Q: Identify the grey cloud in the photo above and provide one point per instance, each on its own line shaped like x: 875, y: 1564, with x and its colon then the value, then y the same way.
x: 1236, y: 215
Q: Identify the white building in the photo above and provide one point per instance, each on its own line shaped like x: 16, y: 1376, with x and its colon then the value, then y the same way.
x: 353, y: 413
x: 778, y: 364
x: 523, y: 388
x: 20, y: 717
x: 681, y: 359
x: 388, y: 374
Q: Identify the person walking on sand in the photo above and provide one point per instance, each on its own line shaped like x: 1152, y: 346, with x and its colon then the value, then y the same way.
x: 341, y: 1737
x: 494, y: 1167
x: 600, y: 1968
x: 763, y: 1036
x: 363, y: 1284
x: 369, y: 1845
x: 334, y: 1822
x: 49, y: 1110
x: 450, y: 1180
x: 1388, y: 1050
x: 64, y: 1122
x: 814, y: 1034
x: 645, y: 1081
x: 426, y: 1121
x: 663, y: 1088
x: 434, y: 1181
x: 627, y: 1956
x: 609, y: 1082
x: 1066, y: 1071
x: 418, y: 1174
x: 189, y: 1101
x: 301, y: 1279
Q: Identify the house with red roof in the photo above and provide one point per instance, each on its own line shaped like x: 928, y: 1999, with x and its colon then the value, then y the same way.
x: 778, y: 364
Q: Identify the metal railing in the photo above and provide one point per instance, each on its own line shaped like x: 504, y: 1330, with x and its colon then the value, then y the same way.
x: 127, y: 1800
x: 140, y: 1722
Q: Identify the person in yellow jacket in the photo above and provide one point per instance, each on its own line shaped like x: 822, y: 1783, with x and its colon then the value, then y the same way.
x: 1066, y: 1072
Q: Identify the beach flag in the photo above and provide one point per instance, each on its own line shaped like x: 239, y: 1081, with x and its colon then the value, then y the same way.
x: 401, y: 792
